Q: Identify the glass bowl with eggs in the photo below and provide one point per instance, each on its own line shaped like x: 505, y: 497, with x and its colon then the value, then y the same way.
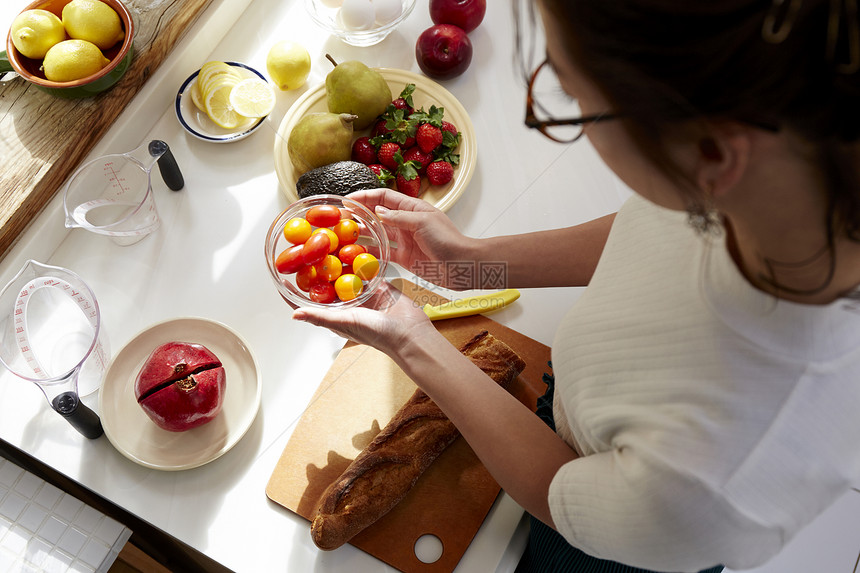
x: 359, y: 22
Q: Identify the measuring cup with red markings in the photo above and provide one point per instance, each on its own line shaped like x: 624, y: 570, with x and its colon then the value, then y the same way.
x: 112, y: 195
x: 51, y: 334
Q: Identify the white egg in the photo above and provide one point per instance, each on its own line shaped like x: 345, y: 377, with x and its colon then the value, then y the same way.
x: 357, y: 14
x: 387, y: 11
x: 332, y: 3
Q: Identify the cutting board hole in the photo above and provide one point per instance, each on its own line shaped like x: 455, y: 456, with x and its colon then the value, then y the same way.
x: 428, y: 548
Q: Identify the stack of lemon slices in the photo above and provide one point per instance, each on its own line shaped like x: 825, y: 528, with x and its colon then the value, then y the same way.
x: 230, y: 99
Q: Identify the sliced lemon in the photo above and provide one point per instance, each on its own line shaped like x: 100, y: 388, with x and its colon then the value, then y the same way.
x: 253, y: 97
x: 211, y: 70
x: 217, y: 83
x: 197, y: 96
x: 219, y: 109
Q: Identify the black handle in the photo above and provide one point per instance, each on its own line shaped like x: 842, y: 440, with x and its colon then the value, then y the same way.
x: 78, y: 414
x: 167, y: 165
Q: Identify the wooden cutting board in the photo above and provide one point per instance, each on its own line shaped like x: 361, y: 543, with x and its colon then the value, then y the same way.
x: 45, y: 137
x: 357, y: 397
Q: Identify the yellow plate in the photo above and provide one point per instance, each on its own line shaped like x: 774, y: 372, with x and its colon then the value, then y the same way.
x: 427, y: 93
x: 137, y: 437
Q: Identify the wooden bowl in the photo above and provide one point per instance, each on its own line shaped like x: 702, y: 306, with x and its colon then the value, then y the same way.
x: 120, y: 56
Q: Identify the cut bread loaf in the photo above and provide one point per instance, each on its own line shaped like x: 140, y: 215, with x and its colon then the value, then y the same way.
x: 384, y: 472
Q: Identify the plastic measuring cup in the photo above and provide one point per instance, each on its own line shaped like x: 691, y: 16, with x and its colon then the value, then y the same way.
x: 51, y: 334
x: 112, y: 195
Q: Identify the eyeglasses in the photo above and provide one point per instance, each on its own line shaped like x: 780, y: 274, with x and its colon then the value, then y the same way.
x: 555, y: 102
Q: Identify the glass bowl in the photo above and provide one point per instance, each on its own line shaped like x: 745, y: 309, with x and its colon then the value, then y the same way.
x: 326, y: 15
x: 373, y: 237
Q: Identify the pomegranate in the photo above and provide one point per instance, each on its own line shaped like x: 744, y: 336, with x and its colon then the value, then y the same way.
x: 181, y: 386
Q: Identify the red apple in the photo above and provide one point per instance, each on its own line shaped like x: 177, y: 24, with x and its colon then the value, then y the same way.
x: 443, y: 51
x: 466, y: 14
x: 181, y: 386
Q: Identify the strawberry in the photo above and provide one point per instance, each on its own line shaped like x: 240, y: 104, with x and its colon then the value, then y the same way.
x: 386, y: 154
x: 428, y: 137
x: 415, y: 154
x: 363, y: 151
x: 382, y: 173
x: 406, y: 178
x: 379, y: 128
x: 440, y: 172
x: 400, y: 103
x: 409, y: 187
x: 449, y: 127
x: 404, y: 101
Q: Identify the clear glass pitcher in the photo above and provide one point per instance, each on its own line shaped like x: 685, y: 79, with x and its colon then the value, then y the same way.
x: 112, y: 195
x: 51, y: 335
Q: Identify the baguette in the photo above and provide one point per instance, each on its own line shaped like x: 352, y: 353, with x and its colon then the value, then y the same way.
x: 384, y: 472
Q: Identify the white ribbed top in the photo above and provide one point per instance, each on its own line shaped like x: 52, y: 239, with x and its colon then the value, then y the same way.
x: 714, y: 420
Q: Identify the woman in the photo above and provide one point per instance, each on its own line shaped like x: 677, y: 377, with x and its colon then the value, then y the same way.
x: 705, y: 397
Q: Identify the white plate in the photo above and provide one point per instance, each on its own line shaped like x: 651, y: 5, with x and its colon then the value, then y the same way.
x: 137, y: 437
x: 198, y: 124
x: 427, y: 93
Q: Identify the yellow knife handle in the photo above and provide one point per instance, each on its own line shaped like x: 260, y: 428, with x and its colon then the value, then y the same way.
x: 472, y: 305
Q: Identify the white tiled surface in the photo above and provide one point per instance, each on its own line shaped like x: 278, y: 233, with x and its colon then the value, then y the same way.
x: 43, y: 528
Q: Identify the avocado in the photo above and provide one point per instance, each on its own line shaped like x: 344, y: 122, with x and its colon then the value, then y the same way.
x: 340, y: 178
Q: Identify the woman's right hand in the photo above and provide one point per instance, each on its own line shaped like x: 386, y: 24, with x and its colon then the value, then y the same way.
x: 427, y: 240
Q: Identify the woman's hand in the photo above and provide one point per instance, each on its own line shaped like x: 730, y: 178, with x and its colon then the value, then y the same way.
x: 390, y: 321
x: 427, y: 240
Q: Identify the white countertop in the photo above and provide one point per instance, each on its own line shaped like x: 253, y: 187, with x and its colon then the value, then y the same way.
x: 207, y: 260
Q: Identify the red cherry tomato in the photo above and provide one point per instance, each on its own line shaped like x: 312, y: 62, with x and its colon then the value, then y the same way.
x: 315, y: 248
x: 290, y: 260
x: 347, y: 231
x: 329, y: 268
x: 348, y: 253
x: 322, y: 291
x: 323, y: 216
x: 365, y: 266
x: 348, y: 287
x: 297, y: 230
x: 305, y: 277
x: 331, y: 237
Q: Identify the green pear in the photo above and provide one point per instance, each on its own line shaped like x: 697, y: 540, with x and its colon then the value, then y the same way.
x: 319, y: 139
x: 352, y: 87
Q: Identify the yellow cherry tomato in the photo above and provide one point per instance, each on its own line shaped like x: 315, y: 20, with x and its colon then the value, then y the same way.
x: 329, y: 268
x: 297, y: 230
x: 331, y: 236
x: 347, y: 231
x: 348, y: 287
x: 365, y: 266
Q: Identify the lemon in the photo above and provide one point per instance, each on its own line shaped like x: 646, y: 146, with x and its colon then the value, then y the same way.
x: 252, y: 98
x: 197, y: 96
x: 288, y: 64
x: 93, y: 21
x: 72, y: 60
x: 211, y: 70
x: 33, y: 32
x: 219, y: 109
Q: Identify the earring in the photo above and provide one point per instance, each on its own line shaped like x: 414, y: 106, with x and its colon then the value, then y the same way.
x: 704, y: 219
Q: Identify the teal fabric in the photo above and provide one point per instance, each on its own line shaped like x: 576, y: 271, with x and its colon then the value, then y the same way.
x: 547, y: 551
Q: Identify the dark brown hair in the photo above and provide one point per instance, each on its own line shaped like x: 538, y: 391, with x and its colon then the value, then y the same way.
x: 667, y: 64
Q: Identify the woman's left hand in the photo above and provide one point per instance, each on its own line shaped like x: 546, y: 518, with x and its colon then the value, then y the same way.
x: 389, y: 322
